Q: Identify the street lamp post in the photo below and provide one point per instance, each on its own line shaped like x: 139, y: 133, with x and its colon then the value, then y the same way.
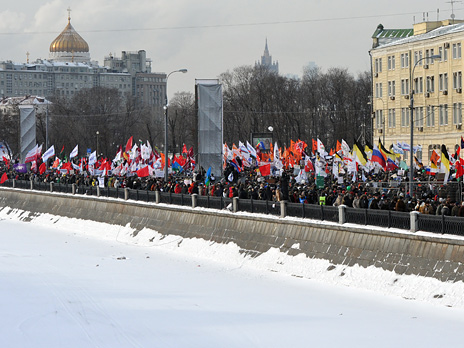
x: 166, y: 125
x: 98, y: 133
x: 411, y: 121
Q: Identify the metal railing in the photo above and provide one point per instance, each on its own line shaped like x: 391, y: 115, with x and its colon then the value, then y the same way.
x: 311, y: 211
x: 373, y: 217
x: 380, y: 218
x: 258, y: 206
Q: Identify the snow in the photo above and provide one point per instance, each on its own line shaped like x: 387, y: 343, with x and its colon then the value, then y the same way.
x: 75, y: 283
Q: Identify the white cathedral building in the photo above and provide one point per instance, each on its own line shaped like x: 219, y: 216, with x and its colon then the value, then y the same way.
x: 69, y: 69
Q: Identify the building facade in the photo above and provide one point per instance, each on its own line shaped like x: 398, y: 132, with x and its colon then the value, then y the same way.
x: 402, y: 68
x: 70, y: 69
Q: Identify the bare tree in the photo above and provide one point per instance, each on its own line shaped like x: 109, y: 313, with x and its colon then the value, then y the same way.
x: 181, y: 120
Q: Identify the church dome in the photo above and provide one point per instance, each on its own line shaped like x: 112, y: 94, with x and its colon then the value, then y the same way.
x: 69, y: 41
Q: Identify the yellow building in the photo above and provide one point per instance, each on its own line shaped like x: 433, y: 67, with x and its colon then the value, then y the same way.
x: 402, y: 68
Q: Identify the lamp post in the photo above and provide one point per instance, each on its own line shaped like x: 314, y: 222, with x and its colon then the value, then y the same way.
x: 166, y: 125
x: 411, y: 121
x: 98, y: 133
x: 383, y: 117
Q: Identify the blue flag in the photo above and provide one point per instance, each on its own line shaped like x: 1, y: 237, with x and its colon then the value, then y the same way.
x: 208, y: 177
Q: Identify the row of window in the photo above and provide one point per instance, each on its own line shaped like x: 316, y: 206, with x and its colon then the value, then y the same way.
x: 456, y: 52
x: 73, y: 70
x: 28, y: 84
x: 22, y: 76
x: 421, y: 114
x: 419, y: 84
x: 38, y: 92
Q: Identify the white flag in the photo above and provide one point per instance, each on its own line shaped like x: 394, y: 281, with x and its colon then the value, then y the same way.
x: 74, y: 152
x: 145, y: 152
x: 93, y: 158
x: 49, y: 153
x: 32, y: 154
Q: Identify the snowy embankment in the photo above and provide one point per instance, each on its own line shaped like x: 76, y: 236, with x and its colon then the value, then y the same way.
x: 371, y: 278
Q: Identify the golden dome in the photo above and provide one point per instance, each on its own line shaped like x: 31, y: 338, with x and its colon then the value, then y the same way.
x: 69, y: 41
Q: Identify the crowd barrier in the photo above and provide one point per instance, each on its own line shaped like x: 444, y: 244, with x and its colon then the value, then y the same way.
x: 412, y: 221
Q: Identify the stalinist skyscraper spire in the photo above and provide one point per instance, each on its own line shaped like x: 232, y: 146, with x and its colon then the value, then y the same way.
x: 266, y: 61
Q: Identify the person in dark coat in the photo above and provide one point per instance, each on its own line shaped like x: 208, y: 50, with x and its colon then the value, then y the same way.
x: 375, y: 202
x: 400, y: 205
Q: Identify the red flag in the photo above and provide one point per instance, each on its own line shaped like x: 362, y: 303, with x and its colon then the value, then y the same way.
x: 265, y: 170
x: 143, y: 172
x: 42, y: 168
x: 129, y: 144
x: 67, y: 166
x: 4, y: 178
x: 309, y: 166
x: 459, y: 168
x: 7, y: 162
x: 184, y: 149
x: 314, y: 145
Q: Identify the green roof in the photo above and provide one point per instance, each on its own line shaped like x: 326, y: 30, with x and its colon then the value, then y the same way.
x: 381, y: 33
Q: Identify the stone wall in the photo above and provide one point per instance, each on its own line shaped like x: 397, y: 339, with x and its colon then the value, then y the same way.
x: 401, y: 252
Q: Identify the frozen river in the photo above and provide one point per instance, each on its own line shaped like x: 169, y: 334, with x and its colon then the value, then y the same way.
x: 61, y: 287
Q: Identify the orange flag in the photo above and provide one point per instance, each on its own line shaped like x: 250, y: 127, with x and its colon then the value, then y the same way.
x: 339, y: 146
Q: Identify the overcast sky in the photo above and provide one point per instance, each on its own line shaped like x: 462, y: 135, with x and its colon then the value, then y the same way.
x: 209, y: 37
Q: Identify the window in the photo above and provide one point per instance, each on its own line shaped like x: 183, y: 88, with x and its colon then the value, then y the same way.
x: 430, y: 116
x: 391, y: 88
x: 428, y: 54
x: 457, y: 113
x: 430, y: 84
x: 378, y: 90
x: 404, y: 60
x: 457, y: 80
x: 391, y: 62
x: 443, y: 82
x: 443, y: 114
x: 379, y: 119
x: 418, y: 85
x: 457, y: 50
x: 419, y: 119
x: 405, y: 117
x: 418, y: 57
x: 378, y: 65
x: 405, y: 87
x: 391, y: 118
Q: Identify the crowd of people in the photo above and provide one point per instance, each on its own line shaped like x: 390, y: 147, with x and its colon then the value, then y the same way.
x: 384, y: 191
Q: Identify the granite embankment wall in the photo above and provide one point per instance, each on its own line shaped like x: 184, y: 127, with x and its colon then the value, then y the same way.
x: 403, y: 253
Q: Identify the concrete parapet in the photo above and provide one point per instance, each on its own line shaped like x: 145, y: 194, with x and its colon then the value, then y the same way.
x: 235, y: 204
x: 404, y: 253
x: 283, y: 209
x: 341, y: 214
x: 194, y: 200
x: 414, y: 221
